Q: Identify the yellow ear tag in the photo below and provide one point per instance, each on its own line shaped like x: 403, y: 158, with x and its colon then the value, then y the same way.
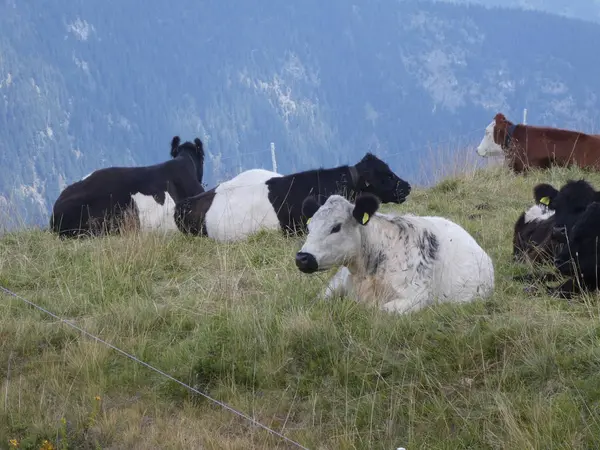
x: 545, y: 201
x: 365, y: 218
x: 307, y: 221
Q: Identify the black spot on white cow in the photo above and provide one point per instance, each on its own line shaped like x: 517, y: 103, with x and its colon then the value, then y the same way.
x: 400, y: 263
x: 260, y: 199
x: 104, y: 200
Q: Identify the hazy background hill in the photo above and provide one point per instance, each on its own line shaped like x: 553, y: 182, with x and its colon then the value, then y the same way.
x: 87, y: 84
x: 579, y: 9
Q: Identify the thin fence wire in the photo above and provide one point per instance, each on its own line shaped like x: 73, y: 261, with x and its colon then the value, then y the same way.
x: 145, y: 364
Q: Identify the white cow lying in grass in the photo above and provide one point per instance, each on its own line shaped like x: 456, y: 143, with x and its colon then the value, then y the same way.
x: 400, y: 263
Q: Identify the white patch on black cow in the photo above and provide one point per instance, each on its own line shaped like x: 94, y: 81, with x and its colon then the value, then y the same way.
x: 400, y: 263
x: 487, y: 146
x: 241, y: 207
x: 538, y: 212
x: 154, y: 216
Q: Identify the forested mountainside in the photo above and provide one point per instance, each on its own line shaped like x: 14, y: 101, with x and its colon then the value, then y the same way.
x: 88, y: 84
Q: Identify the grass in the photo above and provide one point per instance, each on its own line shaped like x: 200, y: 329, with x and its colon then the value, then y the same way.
x: 239, y: 322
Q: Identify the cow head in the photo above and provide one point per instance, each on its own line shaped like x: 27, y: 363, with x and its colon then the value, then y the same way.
x: 543, y: 194
x: 333, y: 231
x: 494, y: 137
x: 376, y: 177
x: 194, y: 150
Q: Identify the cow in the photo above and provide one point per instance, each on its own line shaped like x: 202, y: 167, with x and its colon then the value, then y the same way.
x: 527, y: 146
x: 107, y: 199
x: 260, y: 199
x: 575, y: 231
x: 532, y: 236
x: 401, y: 263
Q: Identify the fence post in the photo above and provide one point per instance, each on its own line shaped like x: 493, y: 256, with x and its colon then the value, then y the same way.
x: 525, y: 116
x: 273, y: 159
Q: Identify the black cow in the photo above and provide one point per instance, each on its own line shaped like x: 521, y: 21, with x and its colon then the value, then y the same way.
x: 260, y: 199
x: 576, y: 228
x: 107, y: 199
x: 573, y: 234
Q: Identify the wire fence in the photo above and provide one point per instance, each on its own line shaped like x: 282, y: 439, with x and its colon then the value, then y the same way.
x: 149, y: 366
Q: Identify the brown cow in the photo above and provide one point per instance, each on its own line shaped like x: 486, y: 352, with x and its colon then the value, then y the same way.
x: 526, y: 146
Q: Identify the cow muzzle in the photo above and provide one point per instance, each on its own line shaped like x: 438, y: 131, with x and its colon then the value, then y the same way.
x: 306, y: 262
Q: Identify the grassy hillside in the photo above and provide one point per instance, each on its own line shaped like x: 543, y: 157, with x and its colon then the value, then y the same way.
x: 240, y: 323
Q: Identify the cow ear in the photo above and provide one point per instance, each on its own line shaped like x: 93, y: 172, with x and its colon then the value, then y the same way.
x: 175, y: 145
x: 199, y: 148
x: 365, y: 206
x: 544, y: 193
x: 309, y: 207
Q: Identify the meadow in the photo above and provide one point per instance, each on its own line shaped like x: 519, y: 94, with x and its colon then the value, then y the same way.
x: 242, y: 324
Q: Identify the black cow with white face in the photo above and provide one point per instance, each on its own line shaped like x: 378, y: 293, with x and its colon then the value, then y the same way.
x: 103, y: 201
x: 260, y: 199
x: 532, y: 237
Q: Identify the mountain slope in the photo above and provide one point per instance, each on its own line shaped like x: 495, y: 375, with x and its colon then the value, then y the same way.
x: 588, y: 10
x: 91, y: 84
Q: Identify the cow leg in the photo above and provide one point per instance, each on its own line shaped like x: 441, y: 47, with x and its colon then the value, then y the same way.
x: 340, y: 284
x: 399, y: 306
x: 415, y: 298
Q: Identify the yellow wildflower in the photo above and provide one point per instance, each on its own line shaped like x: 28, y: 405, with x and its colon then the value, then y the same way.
x: 13, y: 443
x: 97, y: 397
x: 46, y: 445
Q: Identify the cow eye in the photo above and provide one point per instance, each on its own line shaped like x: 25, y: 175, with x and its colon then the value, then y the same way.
x: 336, y: 228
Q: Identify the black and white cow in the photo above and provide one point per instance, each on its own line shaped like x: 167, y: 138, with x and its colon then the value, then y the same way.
x: 104, y: 200
x: 260, y: 199
x: 400, y: 263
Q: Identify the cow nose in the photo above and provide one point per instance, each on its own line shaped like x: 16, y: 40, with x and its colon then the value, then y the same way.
x: 402, y: 191
x: 306, y: 262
